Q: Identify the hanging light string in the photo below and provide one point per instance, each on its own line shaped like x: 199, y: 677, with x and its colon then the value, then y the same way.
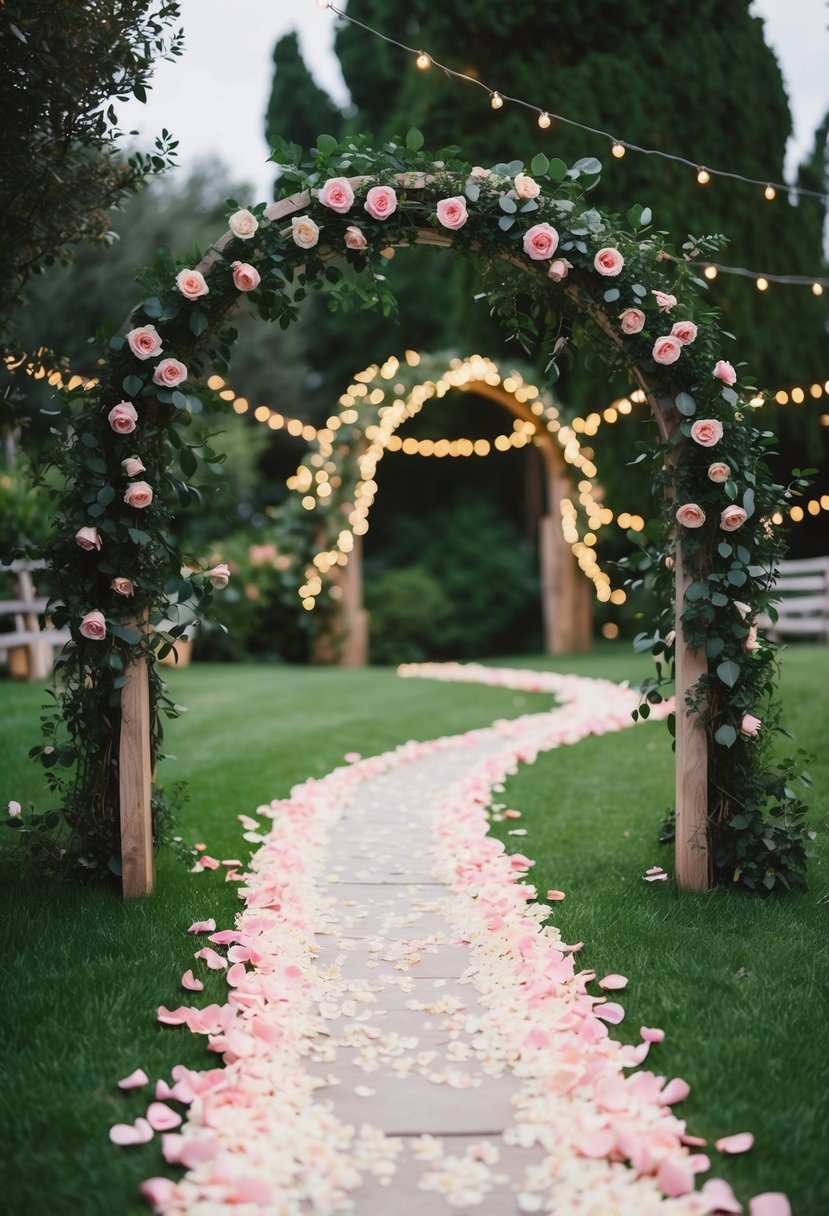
x: 619, y: 147
x: 762, y: 278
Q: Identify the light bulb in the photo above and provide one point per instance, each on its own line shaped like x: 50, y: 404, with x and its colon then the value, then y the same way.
x: 817, y: 289
x: 544, y: 120
x: 423, y: 61
x: 618, y: 150
x: 703, y: 177
x: 762, y: 284
x: 496, y: 101
x: 770, y: 192
x: 710, y: 272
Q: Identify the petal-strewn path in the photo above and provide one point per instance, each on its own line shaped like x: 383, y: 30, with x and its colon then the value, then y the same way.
x: 403, y: 1032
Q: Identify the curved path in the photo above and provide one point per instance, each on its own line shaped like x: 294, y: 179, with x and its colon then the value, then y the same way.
x: 404, y: 1032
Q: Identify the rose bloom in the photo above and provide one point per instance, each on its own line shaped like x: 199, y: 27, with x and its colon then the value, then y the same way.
x: 169, y: 373
x: 664, y: 300
x: 559, y: 269
x: 452, y: 212
x: 354, y: 238
x: 93, y: 626
x: 732, y: 518
x: 121, y: 586
x: 707, y: 432
x: 88, y: 538
x: 526, y: 187
x: 14, y: 809
x: 684, y: 332
x: 337, y: 194
x: 608, y: 262
x: 751, y: 642
x: 719, y: 471
x: 304, y: 232
x: 724, y: 371
x: 245, y: 276
x: 219, y: 575
x: 144, y: 341
x: 243, y: 224
x: 632, y: 321
x: 669, y: 562
x: 750, y: 725
x: 478, y: 171
x: 132, y: 466
x: 381, y: 202
x: 690, y: 515
x: 122, y: 418
x: 743, y: 609
x: 139, y: 495
x: 666, y: 350
x: 540, y: 242
x: 191, y: 283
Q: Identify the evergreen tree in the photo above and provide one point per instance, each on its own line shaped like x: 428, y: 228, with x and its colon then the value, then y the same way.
x: 298, y: 109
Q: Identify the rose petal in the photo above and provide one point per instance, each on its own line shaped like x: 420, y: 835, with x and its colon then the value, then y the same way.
x: 189, y: 981
x: 613, y: 982
x: 134, y: 1080
x: 555, y: 896
x: 675, y: 1091
x: 214, y: 961
x: 675, y: 1178
x: 719, y: 1197
x: 740, y: 1142
x: 611, y: 1012
x: 770, y: 1203
x: 202, y: 926
x: 652, y: 1034
x: 596, y: 1144
x: 162, y: 1118
x: 125, y: 1134
x: 173, y: 1017
x: 157, y: 1191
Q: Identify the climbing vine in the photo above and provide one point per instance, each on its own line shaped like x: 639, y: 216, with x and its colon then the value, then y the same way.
x: 556, y: 271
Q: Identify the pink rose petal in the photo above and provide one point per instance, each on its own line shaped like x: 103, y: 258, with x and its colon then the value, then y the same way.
x: 675, y: 1091
x: 125, y: 1134
x: 202, y: 926
x: 719, y: 1196
x: 596, y: 1144
x: 675, y: 1178
x: 555, y: 896
x: 699, y: 1162
x: 770, y: 1203
x: 214, y: 961
x: 740, y: 1142
x: 189, y: 981
x: 134, y: 1080
x: 209, y: 863
x: 613, y: 982
x: 162, y: 1118
x: 611, y: 1012
x: 188, y: 1151
x: 651, y: 1034
x: 157, y: 1191
x: 351, y: 757
x: 236, y: 975
x: 173, y: 1017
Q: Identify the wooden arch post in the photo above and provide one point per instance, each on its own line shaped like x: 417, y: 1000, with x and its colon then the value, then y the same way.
x: 692, y: 854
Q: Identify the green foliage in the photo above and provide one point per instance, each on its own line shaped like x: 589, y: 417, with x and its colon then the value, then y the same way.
x: 410, y: 613
x: 298, y: 109
x: 63, y: 173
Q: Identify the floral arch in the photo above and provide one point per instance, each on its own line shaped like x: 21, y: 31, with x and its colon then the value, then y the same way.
x: 553, y: 266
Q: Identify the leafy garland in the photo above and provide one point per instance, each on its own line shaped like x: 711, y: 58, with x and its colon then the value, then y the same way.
x: 130, y: 452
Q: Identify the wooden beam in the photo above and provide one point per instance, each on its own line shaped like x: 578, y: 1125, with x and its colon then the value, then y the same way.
x: 135, y: 784
x: 693, y: 864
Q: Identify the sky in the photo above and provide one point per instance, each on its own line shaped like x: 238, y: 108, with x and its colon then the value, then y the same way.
x: 214, y: 97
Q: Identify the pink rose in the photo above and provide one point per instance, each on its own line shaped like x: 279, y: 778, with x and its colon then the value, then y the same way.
x: 690, y: 515
x: 540, y: 241
x: 732, y: 518
x: 219, y: 575
x: 707, y: 432
x: 304, y: 232
x: 139, y: 495
x: 608, y: 262
x: 666, y: 350
x: 243, y: 224
x: 559, y: 269
x: 245, y: 276
x: 14, y: 809
x: 664, y: 300
x: 724, y: 371
x: 93, y: 626
x: 122, y: 418
x: 684, y: 332
x: 88, y: 538
x: 632, y: 321
x: 132, y: 466
x: 526, y: 187
x: 337, y: 194
x: 743, y: 609
x: 751, y: 642
x: 191, y: 284
x: 452, y: 212
x: 750, y: 725
x: 144, y: 341
x: 381, y: 202
x: 479, y: 171
x: 169, y: 373
x: 122, y: 586
x: 669, y: 562
x: 670, y: 637
x: 719, y: 471
x: 354, y: 238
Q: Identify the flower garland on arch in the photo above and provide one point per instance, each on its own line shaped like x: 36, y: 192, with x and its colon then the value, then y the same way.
x: 542, y: 247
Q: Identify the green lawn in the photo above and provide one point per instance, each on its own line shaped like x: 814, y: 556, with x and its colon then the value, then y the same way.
x: 739, y: 986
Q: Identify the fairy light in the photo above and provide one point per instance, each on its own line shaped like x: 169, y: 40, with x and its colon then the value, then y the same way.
x: 423, y: 62
x: 617, y: 149
x: 769, y: 193
x: 544, y: 120
x: 762, y: 284
x: 817, y: 289
x: 710, y: 273
x: 496, y: 101
x: 703, y: 176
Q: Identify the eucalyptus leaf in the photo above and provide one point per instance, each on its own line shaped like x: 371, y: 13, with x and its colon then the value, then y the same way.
x: 729, y: 672
x: 507, y: 204
x: 539, y: 165
x: 557, y: 170
x: 686, y: 404
x: 132, y: 385
x: 726, y: 735
x: 612, y: 295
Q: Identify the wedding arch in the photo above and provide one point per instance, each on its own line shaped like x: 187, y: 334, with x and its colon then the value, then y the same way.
x: 554, y: 269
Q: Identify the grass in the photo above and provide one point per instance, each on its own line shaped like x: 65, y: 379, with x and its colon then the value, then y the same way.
x: 738, y: 985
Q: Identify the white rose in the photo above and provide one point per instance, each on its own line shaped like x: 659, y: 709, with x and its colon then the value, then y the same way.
x: 243, y: 224
x: 304, y: 231
x: 526, y: 187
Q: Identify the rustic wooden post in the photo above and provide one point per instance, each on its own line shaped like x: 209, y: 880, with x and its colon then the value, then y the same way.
x: 135, y: 783
x: 693, y: 868
x: 565, y: 603
x: 354, y: 652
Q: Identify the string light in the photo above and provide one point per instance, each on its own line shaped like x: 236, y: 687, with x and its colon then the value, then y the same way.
x: 770, y: 192
x: 618, y: 150
x: 496, y: 101
x: 711, y: 269
x: 703, y: 177
x: 518, y: 101
x: 817, y: 289
x: 761, y: 283
x: 710, y: 273
x: 423, y: 61
x: 544, y: 120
